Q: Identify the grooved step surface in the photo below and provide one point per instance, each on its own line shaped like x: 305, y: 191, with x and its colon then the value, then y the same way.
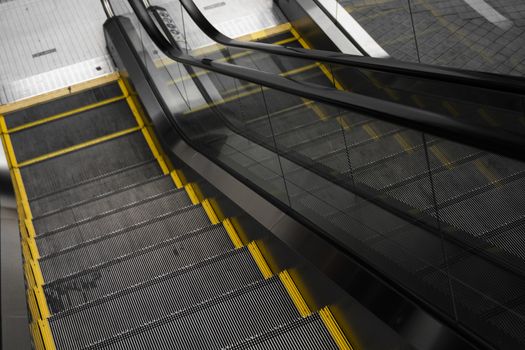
x: 93, y: 188
x: 122, y: 243
x: 304, y: 334
x: 99, y: 226
x: 101, y: 205
x: 62, y: 172
x: 73, y: 130
x: 62, y: 105
x: 215, y: 324
x: 144, y: 265
x: 153, y: 300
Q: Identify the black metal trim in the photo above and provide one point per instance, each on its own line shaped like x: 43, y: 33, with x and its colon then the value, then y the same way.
x: 501, y: 142
x: 478, y: 79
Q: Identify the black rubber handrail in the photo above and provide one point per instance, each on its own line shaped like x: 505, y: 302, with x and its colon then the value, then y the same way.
x: 452, y: 75
x: 497, y: 141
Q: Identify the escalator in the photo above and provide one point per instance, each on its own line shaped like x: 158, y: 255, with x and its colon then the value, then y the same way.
x: 122, y: 251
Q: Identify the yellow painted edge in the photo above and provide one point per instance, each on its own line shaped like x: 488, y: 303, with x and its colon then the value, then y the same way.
x: 33, y: 248
x: 53, y: 95
x: 234, y: 236
x: 42, y: 303
x: 210, y: 212
x: 37, y: 273
x: 191, y: 193
x: 37, y: 336
x: 176, y: 179
x: 419, y: 102
x: 334, y: 329
x: 8, y: 146
x: 23, y: 195
x: 31, y: 233
x: 135, y: 111
x: 156, y: 153
x: 371, y: 132
x: 32, y: 304
x: 79, y: 146
x: 487, y: 172
x: 47, y: 336
x: 66, y: 114
x: 30, y: 278
x: 294, y: 293
x: 404, y: 143
x: 441, y: 156
x: 260, y: 260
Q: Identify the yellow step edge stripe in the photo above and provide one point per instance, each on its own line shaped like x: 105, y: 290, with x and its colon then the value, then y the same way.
x: 42, y: 303
x: 259, y: 260
x: 210, y: 212
x: 404, y: 143
x: 31, y: 243
x: 334, y: 329
x: 30, y: 228
x: 371, y: 132
x: 32, y: 304
x: 176, y: 179
x: 66, y: 114
x: 234, y: 236
x: 192, y: 194
x: 47, y: 336
x: 8, y: 147
x: 294, y: 293
x: 156, y: 152
x: 37, y: 273
x: 53, y: 95
x: 487, y: 172
x: 438, y: 153
x: 79, y: 146
x: 450, y: 108
x: 38, y: 341
x: 17, y: 175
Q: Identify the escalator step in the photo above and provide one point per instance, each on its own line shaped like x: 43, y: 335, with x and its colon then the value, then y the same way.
x: 154, y: 300
x: 142, y: 265
x: 65, y: 171
x: 95, y: 187
x: 127, y: 197
x: 214, y: 324
x: 116, y: 220
x: 66, y: 132
x: 307, y: 333
x: 122, y: 243
x: 62, y: 105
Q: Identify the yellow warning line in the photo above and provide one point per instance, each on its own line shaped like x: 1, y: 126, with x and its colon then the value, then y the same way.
x: 66, y: 114
x: 259, y: 260
x: 407, y: 147
x: 294, y: 293
x: 441, y: 156
x: 192, y: 194
x: 489, y: 174
x: 234, y: 236
x: 334, y: 329
x: 90, y: 84
x: 47, y: 336
x: 371, y: 132
x: 79, y: 146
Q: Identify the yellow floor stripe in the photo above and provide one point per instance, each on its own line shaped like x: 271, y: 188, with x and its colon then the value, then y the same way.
x: 488, y: 173
x: 87, y: 85
x: 294, y: 293
x: 334, y: 329
x: 407, y: 147
x: 371, y: 132
x: 441, y: 156
x: 79, y: 146
x: 66, y: 114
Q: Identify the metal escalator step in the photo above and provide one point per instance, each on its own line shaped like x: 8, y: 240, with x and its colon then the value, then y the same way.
x: 124, y: 198
x: 98, y: 226
x: 62, y: 105
x: 66, y: 132
x: 62, y: 172
x: 158, y: 298
x: 307, y: 333
x: 142, y: 265
x: 96, y: 187
x: 227, y: 319
x: 122, y: 243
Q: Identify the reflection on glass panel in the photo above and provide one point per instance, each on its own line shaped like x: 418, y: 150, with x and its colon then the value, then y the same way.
x: 485, y: 35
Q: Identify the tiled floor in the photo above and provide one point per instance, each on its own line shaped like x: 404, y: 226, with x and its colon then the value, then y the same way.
x: 486, y: 35
x: 49, y: 44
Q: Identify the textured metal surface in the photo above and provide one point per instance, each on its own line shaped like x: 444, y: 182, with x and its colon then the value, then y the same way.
x: 123, y: 198
x: 108, y: 223
x: 61, y: 105
x: 142, y: 265
x: 72, y: 28
x: 95, y: 187
x: 304, y: 334
x: 56, y: 174
x: 122, y: 243
x: 160, y: 297
x: 70, y: 131
x: 216, y: 323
